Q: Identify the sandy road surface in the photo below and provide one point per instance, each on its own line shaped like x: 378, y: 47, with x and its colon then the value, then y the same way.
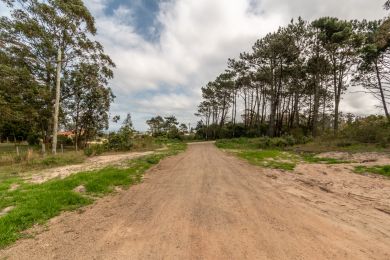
x: 204, y: 204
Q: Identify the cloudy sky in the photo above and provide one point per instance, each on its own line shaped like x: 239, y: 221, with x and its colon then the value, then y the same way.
x: 165, y: 50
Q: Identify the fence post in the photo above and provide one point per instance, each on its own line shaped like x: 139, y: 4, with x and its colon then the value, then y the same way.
x: 62, y: 148
x: 17, y: 150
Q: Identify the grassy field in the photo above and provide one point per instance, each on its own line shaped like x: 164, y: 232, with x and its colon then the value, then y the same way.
x: 36, y: 203
x: 266, y: 153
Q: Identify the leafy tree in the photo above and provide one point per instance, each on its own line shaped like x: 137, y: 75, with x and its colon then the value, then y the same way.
x: 52, y: 40
x: 156, y: 125
x: 56, y: 34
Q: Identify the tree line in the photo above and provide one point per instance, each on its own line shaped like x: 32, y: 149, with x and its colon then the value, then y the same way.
x: 52, y: 72
x: 167, y: 126
x: 294, y: 79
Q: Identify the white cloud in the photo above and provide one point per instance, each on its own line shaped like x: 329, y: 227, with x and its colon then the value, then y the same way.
x: 196, y: 39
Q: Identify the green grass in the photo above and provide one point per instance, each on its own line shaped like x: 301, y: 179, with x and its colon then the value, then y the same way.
x: 275, y: 159
x: 271, y: 157
x: 248, y: 149
x: 36, y: 203
x: 238, y: 143
x: 381, y: 170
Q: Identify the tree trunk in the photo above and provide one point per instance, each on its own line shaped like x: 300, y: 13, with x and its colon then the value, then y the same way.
x: 381, y: 92
x: 57, y: 102
x: 316, y: 107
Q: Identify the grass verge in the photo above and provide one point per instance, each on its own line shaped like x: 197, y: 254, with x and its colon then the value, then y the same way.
x: 36, y: 203
x: 270, y: 158
x: 252, y: 150
x: 381, y: 170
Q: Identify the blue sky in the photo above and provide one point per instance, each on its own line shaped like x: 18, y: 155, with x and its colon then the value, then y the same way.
x: 143, y: 17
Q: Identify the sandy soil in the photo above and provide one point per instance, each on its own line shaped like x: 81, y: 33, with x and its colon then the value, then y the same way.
x: 91, y: 163
x: 205, y: 204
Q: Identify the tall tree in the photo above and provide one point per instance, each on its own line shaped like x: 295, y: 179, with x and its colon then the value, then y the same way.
x: 57, y: 34
x: 340, y: 42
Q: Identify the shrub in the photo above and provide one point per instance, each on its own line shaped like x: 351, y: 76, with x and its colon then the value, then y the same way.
x: 372, y: 129
x: 88, y: 151
x: 121, y: 140
x: 33, y: 139
x: 95, y: 149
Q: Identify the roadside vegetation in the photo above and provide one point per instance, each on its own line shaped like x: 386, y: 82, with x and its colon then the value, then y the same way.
x: 277, y: 153
x: 31, y: 204
x: 381, y: 170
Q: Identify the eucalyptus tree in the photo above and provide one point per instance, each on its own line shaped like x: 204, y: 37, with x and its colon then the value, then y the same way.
x: 20, y: 107
x: 56, y: 33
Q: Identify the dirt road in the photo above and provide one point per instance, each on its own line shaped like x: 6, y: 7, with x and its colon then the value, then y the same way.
x: 204, y: 204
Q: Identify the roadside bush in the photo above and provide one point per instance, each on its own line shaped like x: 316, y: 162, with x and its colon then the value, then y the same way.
x: 88, y: 151
x: 281, y: 142
x: 121, y: 140
x: 372, y: 129
x: 95, y: 149
x: 173, y: 133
